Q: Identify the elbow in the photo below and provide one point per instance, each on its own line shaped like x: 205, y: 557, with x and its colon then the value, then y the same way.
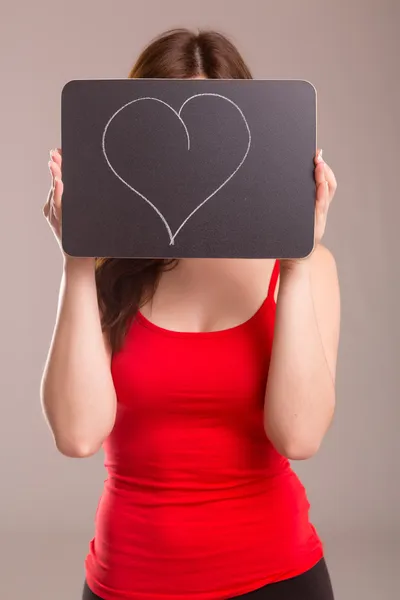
x: 300, y: 450
x: 294, y: 447
x: 299, y: 440
x: 77, y: 449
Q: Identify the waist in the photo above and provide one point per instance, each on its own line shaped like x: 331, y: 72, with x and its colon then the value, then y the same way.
x: 270, y: 493
x: 145, y: 539
x: 187, y: 487
x: 185, y: 464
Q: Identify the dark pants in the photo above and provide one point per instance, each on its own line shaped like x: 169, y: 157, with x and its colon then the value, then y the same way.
x: 315, y: 584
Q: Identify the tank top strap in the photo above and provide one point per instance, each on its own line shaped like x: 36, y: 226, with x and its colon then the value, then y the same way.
x: 274, y: 279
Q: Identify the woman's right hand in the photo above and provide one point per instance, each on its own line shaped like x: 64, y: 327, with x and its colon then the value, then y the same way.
x: 52, y: 208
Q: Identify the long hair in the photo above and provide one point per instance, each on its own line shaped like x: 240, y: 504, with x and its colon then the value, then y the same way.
x: 124, y: 285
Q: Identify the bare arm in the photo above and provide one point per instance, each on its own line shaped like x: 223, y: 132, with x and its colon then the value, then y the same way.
x: 77, y: 390
x: 300, y: 395
x: 78, y: 395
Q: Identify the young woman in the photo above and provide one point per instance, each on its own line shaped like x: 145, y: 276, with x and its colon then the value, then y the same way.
x: 201, y: 380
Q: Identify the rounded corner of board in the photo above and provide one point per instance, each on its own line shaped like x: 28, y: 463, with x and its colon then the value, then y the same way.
x: 67, y: 86
x: 310, y: 85
x: 309, y: 251
x: 65, y: 249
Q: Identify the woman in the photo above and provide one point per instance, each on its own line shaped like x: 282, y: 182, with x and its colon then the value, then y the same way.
x: 170, y: 366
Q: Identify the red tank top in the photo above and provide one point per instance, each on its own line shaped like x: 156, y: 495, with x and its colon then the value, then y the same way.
x: 198, y: 505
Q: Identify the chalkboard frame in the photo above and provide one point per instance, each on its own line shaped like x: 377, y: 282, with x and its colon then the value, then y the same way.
x: 82, y: 226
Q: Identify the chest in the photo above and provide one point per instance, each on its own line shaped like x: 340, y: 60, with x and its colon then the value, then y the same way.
x: 209, y: 295
x: 207, y: 375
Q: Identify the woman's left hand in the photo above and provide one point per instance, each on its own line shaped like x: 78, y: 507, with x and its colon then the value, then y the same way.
x: 325, y: 190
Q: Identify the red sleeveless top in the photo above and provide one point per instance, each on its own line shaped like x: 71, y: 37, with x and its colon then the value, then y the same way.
x: 198, y: 505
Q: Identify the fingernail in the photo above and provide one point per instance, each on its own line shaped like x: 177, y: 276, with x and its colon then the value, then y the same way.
x: 319, y: 156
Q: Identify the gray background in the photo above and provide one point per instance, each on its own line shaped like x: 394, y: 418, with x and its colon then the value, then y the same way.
x: 349, y: 50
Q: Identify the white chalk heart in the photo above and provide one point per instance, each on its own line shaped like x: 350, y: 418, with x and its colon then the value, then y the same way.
x: 178, y: 114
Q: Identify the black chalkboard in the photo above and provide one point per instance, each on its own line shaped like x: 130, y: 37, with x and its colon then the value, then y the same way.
x: 188, y: 168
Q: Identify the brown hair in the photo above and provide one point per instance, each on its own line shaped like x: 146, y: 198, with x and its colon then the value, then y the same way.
x: 124, y: 285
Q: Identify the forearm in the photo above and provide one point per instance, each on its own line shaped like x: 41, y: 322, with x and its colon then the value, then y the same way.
x: 77, y: 391
x: 300, y: 394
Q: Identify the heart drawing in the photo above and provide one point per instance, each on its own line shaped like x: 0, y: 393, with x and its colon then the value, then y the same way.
x: 178, y: 114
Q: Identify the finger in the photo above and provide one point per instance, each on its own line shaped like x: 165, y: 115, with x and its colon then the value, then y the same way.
x: 52, y: 206
x: 50, y: 165
x: 55, y: 155
x: 319, y: 173
x: 318, y: 156
x: 47, y: 205
x: 46, y: 209
x: 57, y: 195
x: 322, y: 197
x: 55, y: 212
x: 327, y: 172
x: 55, y: 169
x: 331, y: 179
